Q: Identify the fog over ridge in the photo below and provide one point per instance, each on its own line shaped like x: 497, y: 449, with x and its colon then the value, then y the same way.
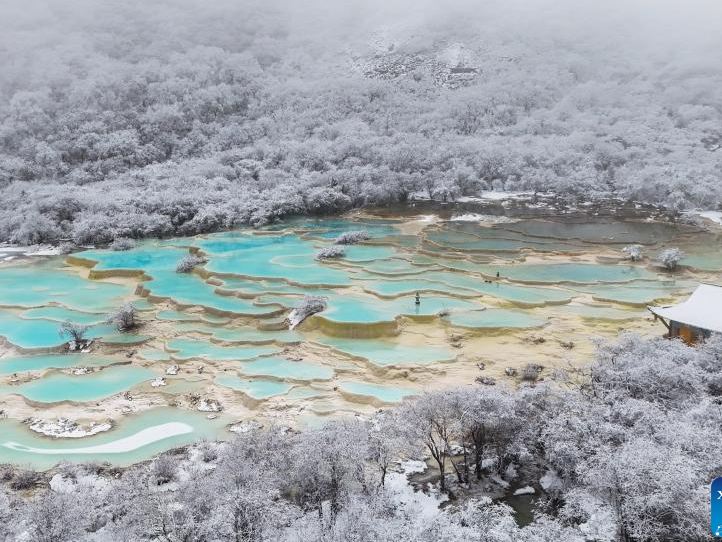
x: 271, y: 103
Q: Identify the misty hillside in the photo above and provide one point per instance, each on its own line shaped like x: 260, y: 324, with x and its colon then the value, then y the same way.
x: 177, y: 118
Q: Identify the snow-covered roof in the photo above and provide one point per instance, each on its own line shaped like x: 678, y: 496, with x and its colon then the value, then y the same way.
x: 703, y: 309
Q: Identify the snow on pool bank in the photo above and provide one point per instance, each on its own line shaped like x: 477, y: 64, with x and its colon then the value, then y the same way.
x: 138, y: 440
x: 501, y: 195
x: 476, y: 217
x: 403, y: 494
x: 714, y: 216
x: 32, y: 250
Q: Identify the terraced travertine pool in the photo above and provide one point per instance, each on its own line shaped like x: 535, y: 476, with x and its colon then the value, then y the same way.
x: 213, y: 348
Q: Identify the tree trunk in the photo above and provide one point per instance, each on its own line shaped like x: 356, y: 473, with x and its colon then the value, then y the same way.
x: 477, y: 437
x: 439, y: 457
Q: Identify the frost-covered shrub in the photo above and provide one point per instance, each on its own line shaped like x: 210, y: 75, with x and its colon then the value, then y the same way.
x: 24, y: 479
x: 311, y: 304
x: 33, y: 228
x: 327, y: 253
x: 66, y: 248
x: 6, y: 472
x: 122, y: 243
x: 164, y: 469
x: 188, y: 263
x: 531, y: 371
x: 633, y: 252
x: 125, y: 318
x: 75, y: 332
x: 208, y: 451
x: 352, y: 237
x: 670, y: 258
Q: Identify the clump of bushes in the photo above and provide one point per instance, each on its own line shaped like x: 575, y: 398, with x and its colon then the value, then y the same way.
x: 208, y: 451
x: 125, y: 318
x: 328, y: 253
x: 66, y: 248
x: 634, y: 252
x: 531, y: 371
x: 24, y: 479
x: 311, y: 304
x: 164, y: 469
x: 122, y: 243
x: 188, y: 263
x: 352, y: 237
x: 670, y: 258
x: 75, y: 332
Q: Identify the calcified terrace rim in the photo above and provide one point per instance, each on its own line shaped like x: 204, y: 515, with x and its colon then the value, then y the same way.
x: 341, y: 352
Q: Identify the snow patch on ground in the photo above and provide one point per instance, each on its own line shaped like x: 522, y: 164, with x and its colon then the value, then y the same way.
x: 62, y: 484
x: 413, y: 467
x: 495, y: 195
x: 32, y: 250
x: 499, y: 480
x: 526, y: 490
x: 714, y: 216
x: 600, y: 526
x: 245, y: 426
x: 209, y: 405
x: 551, y: 481
x: 427, y: 219
x: 421, y: 504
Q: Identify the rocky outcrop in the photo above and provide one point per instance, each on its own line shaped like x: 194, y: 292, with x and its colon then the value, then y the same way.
x: 66, y: 428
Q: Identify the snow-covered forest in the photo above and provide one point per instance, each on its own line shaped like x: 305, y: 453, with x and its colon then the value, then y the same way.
x: 623, y: 451
x: 136, y: 118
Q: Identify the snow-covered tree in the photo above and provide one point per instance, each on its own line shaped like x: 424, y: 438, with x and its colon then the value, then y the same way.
x: 125, y: 318
x: 669, y: 258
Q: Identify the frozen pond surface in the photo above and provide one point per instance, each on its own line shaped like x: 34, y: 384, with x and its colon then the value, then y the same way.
x: 214, y: 347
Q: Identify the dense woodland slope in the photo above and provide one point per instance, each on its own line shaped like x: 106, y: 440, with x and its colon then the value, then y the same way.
x: 152, y: 118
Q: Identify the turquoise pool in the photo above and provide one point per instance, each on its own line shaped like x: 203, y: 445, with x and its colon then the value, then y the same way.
x: 184, y: 349
x: 256, y: 389
x: 495, y: 319
x: 386, y: 352
x: 285, y: 369
x: 21, y: 364
x: 44, y: 283
x: 57, y: 387
x: 385, y: 394
x: 40, y: 333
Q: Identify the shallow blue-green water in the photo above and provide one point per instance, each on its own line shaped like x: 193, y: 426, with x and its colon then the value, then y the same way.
x: 103, y: 383
x: 387, y: 394
x: 135, y: 438
x: 257, y: 389
x: 495, y: 319
x: 452, y: 265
